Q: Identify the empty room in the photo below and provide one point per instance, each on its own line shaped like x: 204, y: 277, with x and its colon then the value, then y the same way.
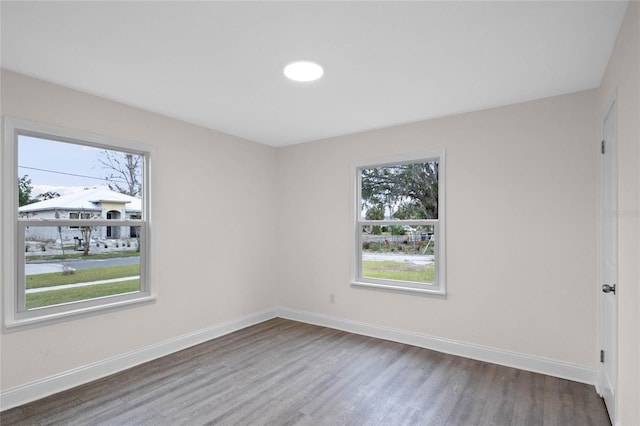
x: 320, y: 213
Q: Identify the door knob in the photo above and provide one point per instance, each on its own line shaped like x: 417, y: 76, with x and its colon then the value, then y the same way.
x: 606, y: 288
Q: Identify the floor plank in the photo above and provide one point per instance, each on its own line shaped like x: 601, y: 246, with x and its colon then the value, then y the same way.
x: 282, y: 372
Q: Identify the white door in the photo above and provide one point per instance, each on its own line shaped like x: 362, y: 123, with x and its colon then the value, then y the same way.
x: 609, y: 264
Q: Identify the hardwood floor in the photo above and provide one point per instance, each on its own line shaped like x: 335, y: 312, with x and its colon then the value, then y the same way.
x: 283, y: 372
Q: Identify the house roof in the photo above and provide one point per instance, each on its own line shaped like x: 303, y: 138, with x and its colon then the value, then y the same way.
x: 88, y: 199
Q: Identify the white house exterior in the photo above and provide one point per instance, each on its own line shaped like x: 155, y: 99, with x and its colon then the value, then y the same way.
x: 96, y: 203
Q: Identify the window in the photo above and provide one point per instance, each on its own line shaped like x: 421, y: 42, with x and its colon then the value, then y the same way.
x: 78, y: 215
x: 77, y: 223
x: 399, y: 224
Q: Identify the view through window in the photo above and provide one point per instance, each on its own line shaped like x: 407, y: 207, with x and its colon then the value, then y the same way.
x: 399, y: 224
x: 78, y: 231
x: 80, y: 261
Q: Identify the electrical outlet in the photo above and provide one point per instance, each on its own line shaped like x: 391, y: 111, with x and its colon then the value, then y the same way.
x: 332, y: 298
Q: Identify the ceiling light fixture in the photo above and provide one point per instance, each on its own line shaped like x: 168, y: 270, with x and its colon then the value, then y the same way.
x: 303, y: 71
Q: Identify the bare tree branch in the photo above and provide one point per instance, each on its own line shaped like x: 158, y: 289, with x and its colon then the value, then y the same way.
x: 125, y: 171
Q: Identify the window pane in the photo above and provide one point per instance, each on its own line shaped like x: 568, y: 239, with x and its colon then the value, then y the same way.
x: 404, y: 255
x: 405, y: 191
x: 65, y: 265
x: 58, y: 176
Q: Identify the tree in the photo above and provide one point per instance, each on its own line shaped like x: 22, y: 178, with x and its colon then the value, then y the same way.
x: 407, y: 191
x: 125, y: 171
x: 420, y: 183
x: 47, y: 195
x: 86, y: 239
x: 24, y: 191
x: 60, y: 233
x: 380, y: 187
x: 375, y: 212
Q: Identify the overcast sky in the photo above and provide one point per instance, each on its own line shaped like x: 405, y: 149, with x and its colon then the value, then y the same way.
x: 56, y: 162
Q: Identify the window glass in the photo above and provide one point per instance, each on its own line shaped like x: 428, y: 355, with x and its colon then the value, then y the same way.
x: 67, y: 180
x: 58, y: 271
x: 403, y: 191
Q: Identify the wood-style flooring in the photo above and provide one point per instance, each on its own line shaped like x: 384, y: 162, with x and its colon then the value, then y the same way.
x: 282, y: 372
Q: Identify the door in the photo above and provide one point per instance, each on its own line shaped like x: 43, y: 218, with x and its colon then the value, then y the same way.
x: 609, y: 263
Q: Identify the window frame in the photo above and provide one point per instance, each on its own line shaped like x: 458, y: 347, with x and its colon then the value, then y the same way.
x: 16, y: 316
x: 438, y: 288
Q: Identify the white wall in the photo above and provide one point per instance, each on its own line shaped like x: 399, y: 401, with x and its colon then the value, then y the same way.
x: 206, y: 274
x: 521, y: 229
x: 623, y: 77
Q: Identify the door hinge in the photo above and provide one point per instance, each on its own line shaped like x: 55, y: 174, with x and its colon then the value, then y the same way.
x: 601, y: 356
x: 602, y: 144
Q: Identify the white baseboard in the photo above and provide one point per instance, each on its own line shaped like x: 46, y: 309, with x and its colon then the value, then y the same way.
x: 549, y: 367
x: 29, y: 392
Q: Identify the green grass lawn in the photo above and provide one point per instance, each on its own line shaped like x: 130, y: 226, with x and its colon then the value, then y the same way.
x: 81, y: 276
x: 56, y: 297
x: 401, y: 271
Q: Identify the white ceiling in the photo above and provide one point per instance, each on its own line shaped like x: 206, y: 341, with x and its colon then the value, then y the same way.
x: 219, y: 64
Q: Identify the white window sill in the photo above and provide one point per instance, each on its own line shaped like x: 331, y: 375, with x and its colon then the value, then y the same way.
x: 17, y: 324
x: 399, y: 287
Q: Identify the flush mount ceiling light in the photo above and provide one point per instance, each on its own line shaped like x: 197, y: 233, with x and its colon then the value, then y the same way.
x: 303, y: 71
